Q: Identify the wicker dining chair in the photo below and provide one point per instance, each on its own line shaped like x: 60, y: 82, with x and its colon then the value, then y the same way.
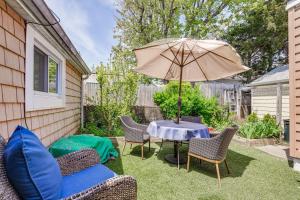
x: 212, y: 150
x: 117, y: 188
x: 134, y: 133
x: 194, y: 119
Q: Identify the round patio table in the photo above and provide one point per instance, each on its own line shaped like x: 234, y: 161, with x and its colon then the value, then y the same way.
x: 184, y: 131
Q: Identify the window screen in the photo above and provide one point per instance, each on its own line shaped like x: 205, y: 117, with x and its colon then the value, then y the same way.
x: 46, y: 71
x: 40, y: 71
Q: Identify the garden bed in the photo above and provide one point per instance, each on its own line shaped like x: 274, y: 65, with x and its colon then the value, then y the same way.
x: 254, y: 142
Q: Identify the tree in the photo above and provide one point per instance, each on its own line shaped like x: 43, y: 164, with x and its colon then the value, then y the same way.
x: 256, y: 28
x: 260, y: 35
x: 142, y: 21
x: 207, y: 18
x: 117, y: 94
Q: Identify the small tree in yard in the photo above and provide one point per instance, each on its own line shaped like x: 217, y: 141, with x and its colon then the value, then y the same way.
x: 117, y: 95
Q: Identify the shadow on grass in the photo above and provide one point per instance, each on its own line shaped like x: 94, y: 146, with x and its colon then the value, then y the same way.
x: 116, y: 165
x: 290, y: 160
x: 137, y: 151
x: 237, y: 162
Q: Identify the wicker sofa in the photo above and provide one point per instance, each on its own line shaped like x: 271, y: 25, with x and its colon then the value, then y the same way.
x: 116, y: 188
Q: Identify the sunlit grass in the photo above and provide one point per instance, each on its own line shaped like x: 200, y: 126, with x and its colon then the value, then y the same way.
x: 254, y: 175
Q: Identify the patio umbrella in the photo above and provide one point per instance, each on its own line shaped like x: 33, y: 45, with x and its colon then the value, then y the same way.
x: 187, y: 59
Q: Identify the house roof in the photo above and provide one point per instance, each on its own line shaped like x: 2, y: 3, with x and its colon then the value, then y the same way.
x: 92, y: 78
x: 292, y: 3
x: 278, y: 75
x: 37, y: 12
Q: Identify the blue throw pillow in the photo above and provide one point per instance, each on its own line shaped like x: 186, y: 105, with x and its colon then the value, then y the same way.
x: 31, y: 169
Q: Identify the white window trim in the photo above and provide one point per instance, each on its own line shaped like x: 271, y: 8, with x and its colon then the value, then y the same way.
x: 35, y: 100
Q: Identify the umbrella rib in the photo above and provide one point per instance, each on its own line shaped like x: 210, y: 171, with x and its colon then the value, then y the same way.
x: 169, y: 71
x: 207, y: 51
x: 181, y: 63
x: 162, y: 55
x: 156, y: 45
x: 216, y: 53
x: 169, y: 59
x: 169, y: 47
x: 175, y: 56
x: 195, y: 58
x: 188, y: 55
x: 172, y: 62
x: 199, y: 66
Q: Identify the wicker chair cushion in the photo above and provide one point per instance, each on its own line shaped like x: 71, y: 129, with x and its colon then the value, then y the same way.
x: 31, y: 169
x: 7, y: 192
x: 85, y: 179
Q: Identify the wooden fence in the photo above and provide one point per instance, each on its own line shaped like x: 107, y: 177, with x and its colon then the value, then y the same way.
x: 227, y: 92
x: 91, y: 93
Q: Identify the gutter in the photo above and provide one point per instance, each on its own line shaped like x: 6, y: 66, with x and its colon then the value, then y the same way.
x: 268, y: 83
x: 291, y: 4
x: 37, y: 11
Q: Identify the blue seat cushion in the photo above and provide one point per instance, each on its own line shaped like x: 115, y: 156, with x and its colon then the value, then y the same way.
x: 89, y: 177
x: 31, y: 169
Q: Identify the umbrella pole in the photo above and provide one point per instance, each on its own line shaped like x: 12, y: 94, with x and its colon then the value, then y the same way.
x: 179, y: 97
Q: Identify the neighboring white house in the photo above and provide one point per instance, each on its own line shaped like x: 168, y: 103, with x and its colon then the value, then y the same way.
x: 270, y: 94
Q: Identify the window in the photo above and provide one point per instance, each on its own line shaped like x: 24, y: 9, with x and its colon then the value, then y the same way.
x: 45, y: 72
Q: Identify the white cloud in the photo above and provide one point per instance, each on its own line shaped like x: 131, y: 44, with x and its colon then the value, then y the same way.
x: 76, y: 23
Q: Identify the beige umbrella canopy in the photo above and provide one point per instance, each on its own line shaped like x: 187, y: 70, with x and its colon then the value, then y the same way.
x: 187, y: 59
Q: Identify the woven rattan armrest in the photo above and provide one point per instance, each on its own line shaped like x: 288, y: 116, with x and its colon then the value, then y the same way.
x: 116, y: 188
x: 77, y: 161
x: 213, y: 134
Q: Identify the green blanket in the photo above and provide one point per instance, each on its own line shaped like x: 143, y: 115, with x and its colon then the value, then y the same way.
x: 102, y: 145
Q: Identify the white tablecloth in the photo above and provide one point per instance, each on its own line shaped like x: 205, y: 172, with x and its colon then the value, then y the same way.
x: 169, y: 130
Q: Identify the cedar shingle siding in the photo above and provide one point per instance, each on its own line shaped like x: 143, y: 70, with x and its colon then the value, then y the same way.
x: 294, y: 74
x: 49, y: 125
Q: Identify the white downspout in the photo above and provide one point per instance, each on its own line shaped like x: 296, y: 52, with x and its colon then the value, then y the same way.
x: 83, y: 78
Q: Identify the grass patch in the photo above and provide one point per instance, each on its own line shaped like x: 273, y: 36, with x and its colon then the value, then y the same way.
x: 254, y: 175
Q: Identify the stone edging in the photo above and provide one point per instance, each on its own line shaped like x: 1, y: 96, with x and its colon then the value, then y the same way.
x: 254, y: 142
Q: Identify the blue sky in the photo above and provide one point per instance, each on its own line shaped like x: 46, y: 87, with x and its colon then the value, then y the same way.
x: 89, y: 24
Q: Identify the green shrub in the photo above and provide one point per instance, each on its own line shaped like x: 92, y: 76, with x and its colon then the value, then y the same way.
x: 254, y: 127
x: 252, y: 118
x: 194, y: 103
x: 92, y: 128
x: 225, y: 119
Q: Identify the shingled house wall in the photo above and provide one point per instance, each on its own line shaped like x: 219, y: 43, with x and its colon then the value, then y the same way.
x: 49, y: 124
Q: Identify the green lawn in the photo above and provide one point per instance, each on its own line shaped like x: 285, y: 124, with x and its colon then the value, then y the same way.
x: 254, y: 175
